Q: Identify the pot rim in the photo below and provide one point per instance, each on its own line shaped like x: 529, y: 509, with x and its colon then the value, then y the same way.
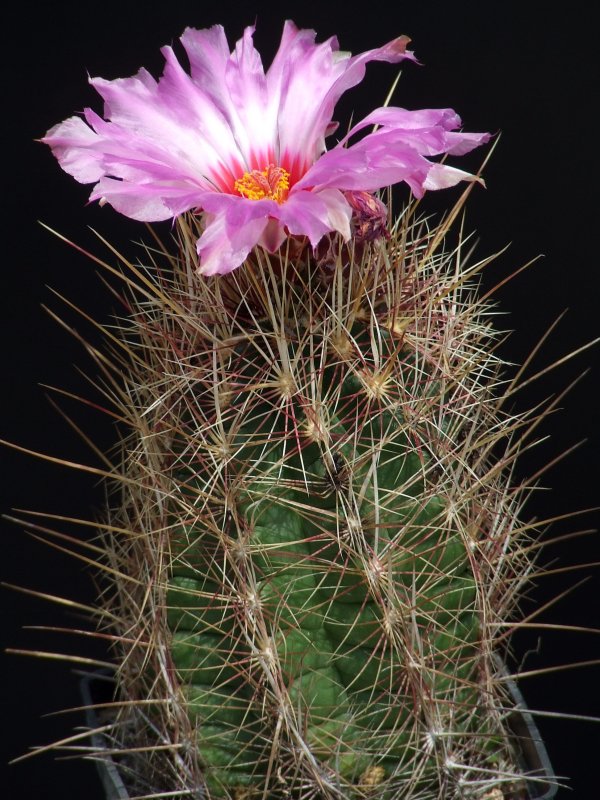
x: 108, y: 770
x: 539, y: 774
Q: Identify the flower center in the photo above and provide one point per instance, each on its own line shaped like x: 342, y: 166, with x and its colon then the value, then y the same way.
x: 271, y: 183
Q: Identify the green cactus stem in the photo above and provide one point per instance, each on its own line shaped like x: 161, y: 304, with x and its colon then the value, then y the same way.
x: 316, y: 535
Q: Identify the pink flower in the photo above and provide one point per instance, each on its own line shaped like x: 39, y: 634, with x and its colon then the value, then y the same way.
x: 247, y: 148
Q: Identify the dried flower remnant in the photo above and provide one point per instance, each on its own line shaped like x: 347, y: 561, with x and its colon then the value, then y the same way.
x: 369, y: 217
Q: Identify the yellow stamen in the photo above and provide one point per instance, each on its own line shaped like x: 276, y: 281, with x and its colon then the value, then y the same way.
x: 271, y: 183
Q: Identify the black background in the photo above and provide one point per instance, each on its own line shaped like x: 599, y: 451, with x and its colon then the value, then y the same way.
x: 509, y: 67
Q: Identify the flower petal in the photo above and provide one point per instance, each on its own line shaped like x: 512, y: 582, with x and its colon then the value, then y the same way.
x: 237, y: 86
x: 430, y: 131
x: 395, y: 152
x: 308, y: 80
x: 314, y: 214
x: 167, y: 138
x: 273, y: 236
x: 72, y: 142
x: 234, y: 226
x: 171, y: 121
x: 367, y: 166
x: 441, y: 176
x: 254, y: 112
x: 146, y: 202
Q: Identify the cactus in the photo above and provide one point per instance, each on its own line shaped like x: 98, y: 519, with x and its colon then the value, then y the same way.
x: 326, y: 538
x: 314, y: 539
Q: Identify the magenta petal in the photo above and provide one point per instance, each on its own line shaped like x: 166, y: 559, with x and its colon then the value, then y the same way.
x: 253, y: 111
x: 441, y: 176
x: 309, y: 79
x: 208, y: 53
x: 237, y: 86
x: 159, y: 136
x: 146, y: 202
x: 458, y: 144
x: 72, y: 142
x: 392, y: 52
x: 430, y: 131
x: 237, y: 209
x: 395, y: 152
x: 273, y: 236
x: 367, y: 166
x: 301, y: 76
x: 313, y: 214
x: 444, y: 119
x: 171, y: 122
x: 107, y: 154
x: 234, y: 227
x: 221, y: 250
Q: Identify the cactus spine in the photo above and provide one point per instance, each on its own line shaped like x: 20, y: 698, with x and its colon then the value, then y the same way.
x: 314, y: 535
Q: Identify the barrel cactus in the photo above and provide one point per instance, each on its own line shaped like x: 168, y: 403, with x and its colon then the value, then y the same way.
x: 314, y: 538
